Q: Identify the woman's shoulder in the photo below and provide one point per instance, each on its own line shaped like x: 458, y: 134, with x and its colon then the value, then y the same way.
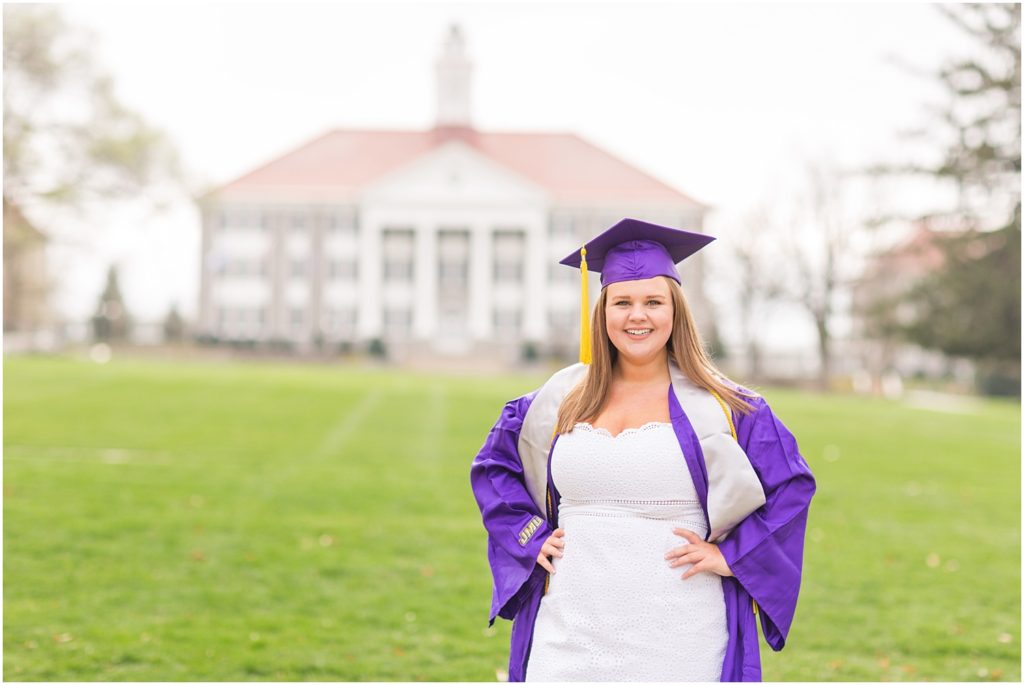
x: 740, y: 389
x: 570, y: 374
x: 558, y: 385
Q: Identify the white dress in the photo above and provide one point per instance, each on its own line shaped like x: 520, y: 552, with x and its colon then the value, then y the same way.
x: 614, y: 609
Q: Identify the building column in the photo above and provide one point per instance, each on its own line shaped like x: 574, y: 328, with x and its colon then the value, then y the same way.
x: 535, y: 291
x: 317, y: 266
x: 277, y: 273
x: 369, y: 323
x: 481, y: 280
x: 207, y: 314
x: 424, y: 314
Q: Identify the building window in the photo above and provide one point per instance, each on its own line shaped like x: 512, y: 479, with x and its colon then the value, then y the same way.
x: 509, y: 249
x: 297, y: 317
x: 299, y: 222
x: 241, y: 218
x: 398, y: 271
x: 248, y: 321
x: 508, y: 272
x: 451, y: 318
x: 398, y: 249
x: 560, y: 273
x: 262, y: 220
x: 240, y: 322
x: 235, y: 219
x: 507, y: 323
x: 453, y: 259
x: 453, y: 244
x: 341, y: 222
x: 244, y: 267
x: 399, y: 255
x: 453, y: 275
x: 562, y: 321
x: 397, y: 322
x: 343, y: 269
x: 561, y: 226
x: 299, y: 268
x: 340, y: 322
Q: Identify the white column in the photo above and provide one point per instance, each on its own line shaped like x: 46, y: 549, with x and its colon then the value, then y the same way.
x: 536, y: 286
x: 368, y: 316
x: 481, y: 279
x: 209, y: 221
x: 424, y: 321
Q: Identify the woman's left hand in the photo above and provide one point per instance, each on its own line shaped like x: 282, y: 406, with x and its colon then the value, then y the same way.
x: 705, y: 556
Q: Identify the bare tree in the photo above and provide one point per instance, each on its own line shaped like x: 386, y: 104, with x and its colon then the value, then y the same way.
x: 818, y: 252
x: 758, y: 281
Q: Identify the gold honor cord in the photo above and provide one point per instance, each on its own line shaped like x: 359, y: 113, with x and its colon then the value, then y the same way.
x: 728, y: 414
x: 550, y: 508
x: 547, y: 578
x: 585, y: 356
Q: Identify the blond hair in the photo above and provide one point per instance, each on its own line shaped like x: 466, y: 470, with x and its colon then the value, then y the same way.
x: 587, y: 399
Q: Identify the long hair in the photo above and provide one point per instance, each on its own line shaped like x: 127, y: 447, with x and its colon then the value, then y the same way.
x: 587, y: 399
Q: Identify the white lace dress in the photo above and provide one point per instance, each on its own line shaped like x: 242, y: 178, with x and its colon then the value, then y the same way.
x: 614, y: 609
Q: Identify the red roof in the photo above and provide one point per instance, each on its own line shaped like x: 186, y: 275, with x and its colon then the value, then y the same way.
x: 571, y: 169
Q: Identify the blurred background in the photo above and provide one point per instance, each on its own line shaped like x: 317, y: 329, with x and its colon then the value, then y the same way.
x: 243, y: 243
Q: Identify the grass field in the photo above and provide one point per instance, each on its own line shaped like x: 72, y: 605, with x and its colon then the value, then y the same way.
x: 255, y: 522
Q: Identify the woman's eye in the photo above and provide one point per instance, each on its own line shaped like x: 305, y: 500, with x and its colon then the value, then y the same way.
x: 654, y: 302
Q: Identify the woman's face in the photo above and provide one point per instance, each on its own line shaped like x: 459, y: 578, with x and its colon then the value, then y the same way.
x: 638, y: 316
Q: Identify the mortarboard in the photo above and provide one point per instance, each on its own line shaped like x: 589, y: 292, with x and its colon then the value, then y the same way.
x: 631, y: 250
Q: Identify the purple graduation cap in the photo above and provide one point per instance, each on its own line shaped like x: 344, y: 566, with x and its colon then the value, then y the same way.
x: 631, y: 250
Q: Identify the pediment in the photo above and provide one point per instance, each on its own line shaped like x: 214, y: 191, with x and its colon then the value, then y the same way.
x: 455, y: 173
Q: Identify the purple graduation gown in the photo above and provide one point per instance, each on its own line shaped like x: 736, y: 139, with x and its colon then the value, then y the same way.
x: 764, y: 551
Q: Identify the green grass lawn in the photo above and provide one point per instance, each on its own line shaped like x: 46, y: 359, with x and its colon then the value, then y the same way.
x: 255, y: 522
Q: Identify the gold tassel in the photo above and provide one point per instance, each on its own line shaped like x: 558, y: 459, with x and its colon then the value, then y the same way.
x: 585, y: 356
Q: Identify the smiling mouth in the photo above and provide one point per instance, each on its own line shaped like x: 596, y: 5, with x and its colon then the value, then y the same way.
x: 639, y: 332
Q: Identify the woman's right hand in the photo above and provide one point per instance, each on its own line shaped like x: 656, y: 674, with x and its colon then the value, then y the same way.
x: 552, y: 547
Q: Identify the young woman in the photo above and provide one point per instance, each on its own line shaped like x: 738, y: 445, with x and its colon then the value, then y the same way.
x: 641, y: 509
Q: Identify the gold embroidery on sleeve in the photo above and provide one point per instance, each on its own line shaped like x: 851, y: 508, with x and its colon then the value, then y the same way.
x: 527, y: 532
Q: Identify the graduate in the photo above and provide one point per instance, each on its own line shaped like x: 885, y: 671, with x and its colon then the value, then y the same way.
x: 643, y: 511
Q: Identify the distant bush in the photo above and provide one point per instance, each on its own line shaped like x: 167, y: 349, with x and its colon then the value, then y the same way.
x: 280, y: 345
x: 999, y: 383
x: 377, y: 349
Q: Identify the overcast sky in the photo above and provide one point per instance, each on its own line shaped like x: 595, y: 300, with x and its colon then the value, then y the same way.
x: 724, y: 102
